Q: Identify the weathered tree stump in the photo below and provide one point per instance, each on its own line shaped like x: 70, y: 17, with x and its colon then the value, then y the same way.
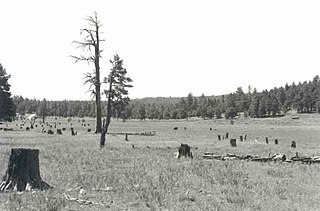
x: 50, y: 132
x: 245, y: 137
x: 59, y: 131
x: 227, y: 135
x: 219, y: 137
x: 293, y: 144
x: 126, y: 137
x: 175, y: 128
x: 241, y: 138
x: 233, y: 142
x: 267, y: 140
x: 184, y: 150
x: 73, y: 133
x: 23, y: 171
x: 89, y: 130
x: 276, y: 141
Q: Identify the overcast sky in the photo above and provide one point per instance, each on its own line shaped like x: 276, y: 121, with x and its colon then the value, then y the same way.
x: 169, y: 47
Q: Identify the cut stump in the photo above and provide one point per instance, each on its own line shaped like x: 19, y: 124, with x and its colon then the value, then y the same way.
x: 233, y: 142
x: 23, y: 171
x: 184, y: 150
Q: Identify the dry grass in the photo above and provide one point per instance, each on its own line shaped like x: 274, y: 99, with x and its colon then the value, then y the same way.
x: 120, y: 177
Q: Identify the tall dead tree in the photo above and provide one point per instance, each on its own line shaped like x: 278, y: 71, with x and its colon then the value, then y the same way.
x: 117, y: 94
x: 90, y: 45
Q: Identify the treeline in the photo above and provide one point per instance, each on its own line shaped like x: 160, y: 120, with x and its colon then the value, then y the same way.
x: 303, y: 97
x: 65, y: 108
x: 55, y: 108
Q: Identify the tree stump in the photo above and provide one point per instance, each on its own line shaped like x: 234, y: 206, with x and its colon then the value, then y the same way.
x: 293, y: 144
x: 227, y: 135
x: 72, y: 132
x: 50, y: 132
x: 276, y: 141
x: 59, y: 131
x: 233, y: 142
x: 267, y: 140
x: 219, y: 137
x: 241, y: 138
x: 23, y: 171
x: 245, y: 137
x: 126, y: 138
x: 184, y: 150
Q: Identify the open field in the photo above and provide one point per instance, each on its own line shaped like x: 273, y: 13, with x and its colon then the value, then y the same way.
x: 149, y: 177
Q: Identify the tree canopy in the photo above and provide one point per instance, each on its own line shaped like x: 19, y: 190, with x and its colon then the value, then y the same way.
x: 7, y: 108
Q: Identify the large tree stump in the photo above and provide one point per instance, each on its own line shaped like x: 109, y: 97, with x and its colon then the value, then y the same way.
x: 23, y: 171
x: 59, y: 131
x: 184, y: 150
x: 233, y: 142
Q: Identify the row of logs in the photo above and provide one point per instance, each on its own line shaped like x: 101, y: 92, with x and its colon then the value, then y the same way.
x: 276, y: 157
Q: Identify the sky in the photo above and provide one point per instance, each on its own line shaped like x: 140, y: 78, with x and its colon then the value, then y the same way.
x: 169, y: 47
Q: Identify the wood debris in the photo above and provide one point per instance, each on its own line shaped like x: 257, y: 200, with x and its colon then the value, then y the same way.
x: 83, y: 201
x: 277, y: 157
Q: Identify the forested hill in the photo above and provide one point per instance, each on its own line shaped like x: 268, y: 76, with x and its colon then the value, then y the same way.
x: 303, y: 97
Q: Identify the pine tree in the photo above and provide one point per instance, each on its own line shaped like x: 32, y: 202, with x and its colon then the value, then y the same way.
x: 7, y: 108
x: 117, y: 92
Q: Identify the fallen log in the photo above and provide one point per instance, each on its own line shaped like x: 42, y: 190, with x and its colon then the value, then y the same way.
x: 150, y: 133
x: 275, y: 158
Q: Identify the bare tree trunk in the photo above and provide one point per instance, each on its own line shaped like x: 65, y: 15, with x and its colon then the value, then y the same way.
x: 104, y: 131
x: 106, y: 122
x: 98, y: 111
x: 97, y: 67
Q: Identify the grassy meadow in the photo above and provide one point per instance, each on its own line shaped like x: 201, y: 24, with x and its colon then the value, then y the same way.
x: 149, y: 177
